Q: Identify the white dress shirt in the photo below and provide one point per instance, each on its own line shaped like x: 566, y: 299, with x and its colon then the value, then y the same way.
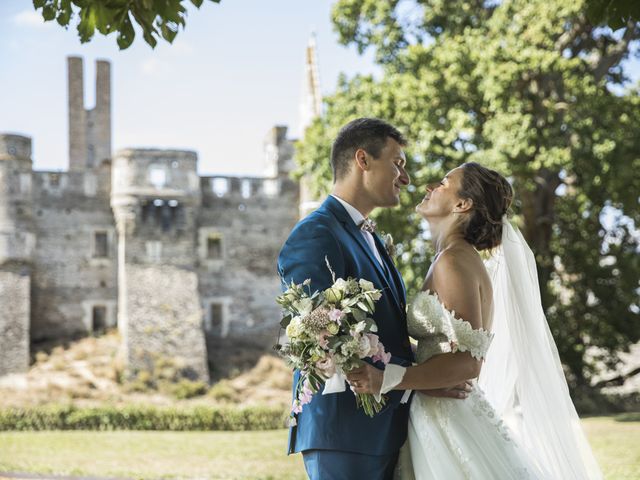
x: 357, y: 218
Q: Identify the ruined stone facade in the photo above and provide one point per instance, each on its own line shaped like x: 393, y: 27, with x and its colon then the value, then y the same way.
x: 138, y: 240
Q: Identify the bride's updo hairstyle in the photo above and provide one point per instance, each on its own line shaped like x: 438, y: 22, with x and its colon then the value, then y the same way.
x: 491, y: 195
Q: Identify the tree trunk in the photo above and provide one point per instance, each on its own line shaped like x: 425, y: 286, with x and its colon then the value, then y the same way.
x: 538, y: 209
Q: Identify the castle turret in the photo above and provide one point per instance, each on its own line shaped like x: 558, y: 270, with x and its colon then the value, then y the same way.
x: 17, y: 240
x: 155, y: 198
x: 89, y: 130
x: 278, y: 151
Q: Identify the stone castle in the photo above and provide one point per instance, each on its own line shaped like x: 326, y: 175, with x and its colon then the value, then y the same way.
x: 139, y: 241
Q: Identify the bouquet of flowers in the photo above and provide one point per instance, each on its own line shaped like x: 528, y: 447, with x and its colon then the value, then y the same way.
x: 329, y: 332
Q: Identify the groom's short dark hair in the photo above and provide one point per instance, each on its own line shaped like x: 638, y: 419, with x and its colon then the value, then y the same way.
x: 370, y: 134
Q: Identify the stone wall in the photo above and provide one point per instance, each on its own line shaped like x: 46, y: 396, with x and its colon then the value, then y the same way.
x: 70, y: 275
x: 253, y: 225
x: 14, y: 317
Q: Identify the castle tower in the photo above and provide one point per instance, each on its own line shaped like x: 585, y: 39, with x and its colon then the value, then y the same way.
x: 310, y: 109
x: 17, y: 240
x: 156, y: 198
x: 311, y: 101
x: 278, y: 151
x: 89, y: 130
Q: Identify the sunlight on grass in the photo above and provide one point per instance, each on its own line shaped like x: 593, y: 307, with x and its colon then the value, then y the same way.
x: 241, y: 455
x: 232, y: 455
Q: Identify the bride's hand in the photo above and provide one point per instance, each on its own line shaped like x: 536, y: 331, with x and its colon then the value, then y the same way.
x: 460, y: 391
x: 365, y: 379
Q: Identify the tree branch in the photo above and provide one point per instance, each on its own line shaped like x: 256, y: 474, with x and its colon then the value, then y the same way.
x: 617, y: 52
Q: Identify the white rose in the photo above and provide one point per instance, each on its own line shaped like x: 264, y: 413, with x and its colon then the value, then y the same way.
x: 375, y: 296
x: 303, y: 306
x: 364, y: 345
x: 359, y: 327
x: 366, y: 285
x: 341, y: 284
x: 294, y: 328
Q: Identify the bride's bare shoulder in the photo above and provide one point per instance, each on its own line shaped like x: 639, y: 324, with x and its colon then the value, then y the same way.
x: 455, y: 279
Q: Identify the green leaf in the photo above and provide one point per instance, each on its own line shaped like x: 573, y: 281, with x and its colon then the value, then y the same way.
x: 65, y: 12
x: 126, y: 34
x: 48, y: 12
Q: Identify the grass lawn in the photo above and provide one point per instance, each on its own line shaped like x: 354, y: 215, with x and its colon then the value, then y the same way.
x: 231, y: 455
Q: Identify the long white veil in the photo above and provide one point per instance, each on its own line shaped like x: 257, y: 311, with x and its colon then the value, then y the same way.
x: 522, y: 376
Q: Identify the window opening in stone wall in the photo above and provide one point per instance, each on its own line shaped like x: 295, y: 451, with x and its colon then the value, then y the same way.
x: 100, y: 245
x: 246, y: 188
x: 214, y: 246
x: 98, y: 318
x: 215, y: 316
x: 154, y: 251
x: 271, y: 188
x: 220, y: 186
x: 91, y: 156
x: 157, y: 176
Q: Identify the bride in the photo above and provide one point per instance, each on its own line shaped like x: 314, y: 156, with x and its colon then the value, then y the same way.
x: 519, y: 421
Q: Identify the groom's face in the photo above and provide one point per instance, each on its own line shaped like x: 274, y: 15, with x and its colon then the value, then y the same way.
x: 387, y: 175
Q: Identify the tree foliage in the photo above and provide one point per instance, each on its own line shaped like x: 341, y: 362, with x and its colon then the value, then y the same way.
x: 534, y: 90
x: 156, y: 18
x: 613, y: 13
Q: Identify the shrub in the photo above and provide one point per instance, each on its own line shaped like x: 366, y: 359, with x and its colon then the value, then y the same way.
x: 223, y: 392
x: 188, y: 389
x: 141, y: 417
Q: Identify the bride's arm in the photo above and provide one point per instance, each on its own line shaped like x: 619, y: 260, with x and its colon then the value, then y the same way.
x: 458, y: 289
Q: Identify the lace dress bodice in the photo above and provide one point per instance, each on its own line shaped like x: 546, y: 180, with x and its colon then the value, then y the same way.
x: 439, y: 331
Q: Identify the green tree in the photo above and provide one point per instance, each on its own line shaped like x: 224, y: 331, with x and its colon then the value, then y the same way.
x: 534, y: 90
x: 613, y: 13
x: 156, y: 18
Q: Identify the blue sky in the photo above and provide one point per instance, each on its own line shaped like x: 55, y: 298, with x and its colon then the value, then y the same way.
x: 233, y: 73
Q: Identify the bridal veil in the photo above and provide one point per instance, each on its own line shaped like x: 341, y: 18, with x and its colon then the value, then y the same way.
x: 522, y: 376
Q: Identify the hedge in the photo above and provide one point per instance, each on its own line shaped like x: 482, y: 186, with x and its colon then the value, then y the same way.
x: 138, y: 417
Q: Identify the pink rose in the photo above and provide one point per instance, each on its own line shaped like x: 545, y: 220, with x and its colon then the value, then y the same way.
x: 336, y: 315
x: 327, y: 365
x: 381, y: 355
x: 323, y: 338
x: 374, y: 341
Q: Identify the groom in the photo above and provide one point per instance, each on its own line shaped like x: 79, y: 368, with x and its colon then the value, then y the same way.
x: 337, y: 440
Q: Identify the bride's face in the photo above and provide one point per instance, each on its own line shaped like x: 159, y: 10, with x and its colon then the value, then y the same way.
x: 441, y: 197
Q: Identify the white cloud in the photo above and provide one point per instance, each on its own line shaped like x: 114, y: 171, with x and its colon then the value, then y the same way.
x: 31, y: 19
x: 181, y: 47
x: 153, y: 66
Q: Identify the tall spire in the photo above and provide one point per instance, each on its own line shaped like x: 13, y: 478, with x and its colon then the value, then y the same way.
x: 310, y: 109
x: 311, y: 101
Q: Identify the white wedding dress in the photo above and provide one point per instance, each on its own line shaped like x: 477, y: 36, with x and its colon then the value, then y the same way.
x: 519, y: 421
x: 451, y: 439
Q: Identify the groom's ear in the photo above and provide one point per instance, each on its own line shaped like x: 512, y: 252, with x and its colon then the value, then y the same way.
x: 362, y: 159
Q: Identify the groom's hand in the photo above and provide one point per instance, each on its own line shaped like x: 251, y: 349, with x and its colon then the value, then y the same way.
x: 460, y: 391
x: 365, y: 379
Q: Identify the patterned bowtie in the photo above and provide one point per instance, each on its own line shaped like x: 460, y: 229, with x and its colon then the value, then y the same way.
x: 367, y: 225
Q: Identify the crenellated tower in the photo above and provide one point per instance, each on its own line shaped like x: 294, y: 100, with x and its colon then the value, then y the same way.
x: 17, y: 241
x: 155, y: 198
x: 89, y: 129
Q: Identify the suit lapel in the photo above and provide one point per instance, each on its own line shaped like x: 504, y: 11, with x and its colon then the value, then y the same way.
x: 394, y: 274
x: 341, y: 214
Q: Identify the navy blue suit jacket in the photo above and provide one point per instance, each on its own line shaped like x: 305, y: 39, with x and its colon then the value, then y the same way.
x: 333, y: 421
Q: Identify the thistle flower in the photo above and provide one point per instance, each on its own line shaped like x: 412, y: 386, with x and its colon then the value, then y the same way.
x: 317, y: 320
